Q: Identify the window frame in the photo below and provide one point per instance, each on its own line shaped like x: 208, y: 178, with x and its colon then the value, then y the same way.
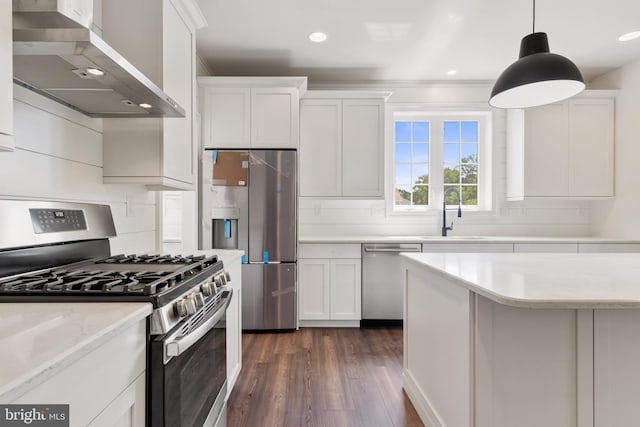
x: 436, y: 116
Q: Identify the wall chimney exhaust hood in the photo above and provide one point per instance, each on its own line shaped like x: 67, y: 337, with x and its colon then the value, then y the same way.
x: 56, y: 54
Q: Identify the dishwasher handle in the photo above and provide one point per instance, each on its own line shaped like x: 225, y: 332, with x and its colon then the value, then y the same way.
x: 392, y: 250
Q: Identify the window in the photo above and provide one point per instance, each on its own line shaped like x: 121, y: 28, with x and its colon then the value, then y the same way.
x: 440, y: 156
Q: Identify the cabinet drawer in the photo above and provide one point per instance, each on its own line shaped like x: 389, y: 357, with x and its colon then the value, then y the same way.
x: 329, y: 250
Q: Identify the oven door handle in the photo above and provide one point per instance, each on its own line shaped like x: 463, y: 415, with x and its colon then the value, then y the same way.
x: 176, y: 346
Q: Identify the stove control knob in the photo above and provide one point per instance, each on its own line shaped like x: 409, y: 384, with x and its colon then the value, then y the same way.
x: 227, y: 276
x: 198, y: 298
x: 180, y: 308
x: 206, y: 289
x: 190, y: 304
x: 219, y: 280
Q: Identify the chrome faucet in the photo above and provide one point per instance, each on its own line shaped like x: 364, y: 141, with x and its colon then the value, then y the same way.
x: 444, y: 210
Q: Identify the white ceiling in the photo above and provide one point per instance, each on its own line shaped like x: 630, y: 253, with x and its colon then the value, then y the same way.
x: 408, y: 40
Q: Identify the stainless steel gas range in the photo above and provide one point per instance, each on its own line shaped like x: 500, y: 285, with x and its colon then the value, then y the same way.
x: 55, y: 252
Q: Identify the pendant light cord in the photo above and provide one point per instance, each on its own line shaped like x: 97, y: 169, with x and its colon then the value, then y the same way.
x: 534, y: 16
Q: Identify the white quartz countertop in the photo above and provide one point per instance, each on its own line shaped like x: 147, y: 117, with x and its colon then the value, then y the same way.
x: 593, y: 280
x: 40, y: 339
x: 458, y: 239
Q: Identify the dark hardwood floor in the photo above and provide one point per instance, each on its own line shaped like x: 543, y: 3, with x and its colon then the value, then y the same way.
x: 322, y: 377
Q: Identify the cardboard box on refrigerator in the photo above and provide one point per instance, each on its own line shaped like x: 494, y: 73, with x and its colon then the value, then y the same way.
x: 231, y: 168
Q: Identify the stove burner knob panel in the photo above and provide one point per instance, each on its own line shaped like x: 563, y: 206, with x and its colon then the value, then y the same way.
x: 227, y: 276
x: 180, y: 308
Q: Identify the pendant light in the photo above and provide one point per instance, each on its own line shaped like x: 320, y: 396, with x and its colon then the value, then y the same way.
x: 538, y: 77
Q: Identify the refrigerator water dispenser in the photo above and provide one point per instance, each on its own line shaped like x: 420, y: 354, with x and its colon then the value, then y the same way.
x: 224, y: 228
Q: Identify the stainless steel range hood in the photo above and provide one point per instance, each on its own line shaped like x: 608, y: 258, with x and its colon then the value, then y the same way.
x: 56, y: 54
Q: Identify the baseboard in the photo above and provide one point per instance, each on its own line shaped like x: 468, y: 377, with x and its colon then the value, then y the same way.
x: 329, y: 323
x: 420, y: 402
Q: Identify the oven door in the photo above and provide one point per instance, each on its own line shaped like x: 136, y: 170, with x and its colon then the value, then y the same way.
x: 188, y: 378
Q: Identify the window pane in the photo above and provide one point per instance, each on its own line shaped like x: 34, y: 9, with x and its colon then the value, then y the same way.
x: 420, y: 131
x: 469, y: 174
x: 451, y: 174
x: 470, y: 195
x: 451, y: 153
x: 469, y: 153
x: 403, y: 173
x: 469, y: 131
x: 402, y: 195
x: 403, y: 131
x: 421, y: 153
x: 451, y: 193
x: 420, y: 194
x: 420, y: 174
x: 403, y: 153
x: 451, y: 131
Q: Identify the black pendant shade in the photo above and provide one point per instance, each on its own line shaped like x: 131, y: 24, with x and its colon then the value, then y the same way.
x: 538, y: 77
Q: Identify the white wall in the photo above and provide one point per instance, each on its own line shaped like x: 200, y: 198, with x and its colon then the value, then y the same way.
x: 532, y: 217
x: 621, y: 217
x: 58, y: 156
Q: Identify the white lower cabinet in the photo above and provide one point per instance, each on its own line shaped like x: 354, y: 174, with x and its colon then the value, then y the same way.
x: 329, y: 285
x: 106, y: 387
x: 314, y: 289
x: 329, y: 289
x: 234, y: 324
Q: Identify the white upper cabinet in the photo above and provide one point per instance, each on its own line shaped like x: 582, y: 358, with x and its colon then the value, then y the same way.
x: 321, y: 147
x: 342, y: 144
x: 227, y: 117
x: 158, y: 37
x: 6, y: 78
x: 250, y: 112
x: 568, y: 149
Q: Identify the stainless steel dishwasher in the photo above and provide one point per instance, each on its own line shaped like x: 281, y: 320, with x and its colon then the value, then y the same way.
x: 382, y: 282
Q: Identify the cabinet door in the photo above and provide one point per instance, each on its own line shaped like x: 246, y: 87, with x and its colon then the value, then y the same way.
x: 362, y: 148
x: 547, y: 151
x: 591, y: 147
x: 274, y: 118
x: 234, y: 325
x: 6, y: 78
x: 346, y: 286
x: 321, y: 148
x: 314, y: 296
x: 126, y: 410
x: 226, y: 118
x: 178, y: 153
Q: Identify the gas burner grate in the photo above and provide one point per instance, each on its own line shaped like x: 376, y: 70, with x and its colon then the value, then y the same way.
x: 151, y: 259
x: 112, y: 282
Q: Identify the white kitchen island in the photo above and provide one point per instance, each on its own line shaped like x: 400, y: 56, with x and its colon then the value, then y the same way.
x: 503, y: 340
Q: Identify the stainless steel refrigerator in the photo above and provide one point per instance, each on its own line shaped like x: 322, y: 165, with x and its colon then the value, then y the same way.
x: 248, y: 202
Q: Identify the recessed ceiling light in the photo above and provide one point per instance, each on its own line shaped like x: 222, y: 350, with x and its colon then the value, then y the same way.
x: 95, y: 71
x: 145, y: 105
x: 629, y: 36
x: 317, y: 37
x: 452, y: 72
